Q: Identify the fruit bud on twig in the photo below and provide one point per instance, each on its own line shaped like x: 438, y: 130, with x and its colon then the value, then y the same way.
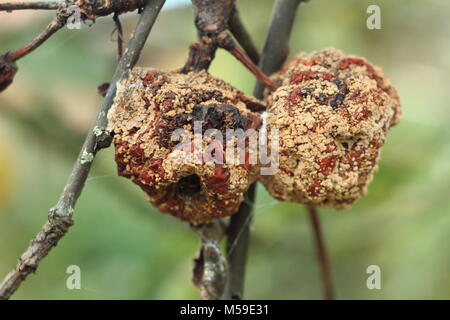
x: 8, y: 69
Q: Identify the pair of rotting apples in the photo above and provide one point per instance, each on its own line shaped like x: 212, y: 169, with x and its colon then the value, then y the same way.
x: 331, y: 111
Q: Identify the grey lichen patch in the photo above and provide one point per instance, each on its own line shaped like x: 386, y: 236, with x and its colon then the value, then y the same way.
x: 97, y: 131
x: 70, y: 211
x: 86, y: 157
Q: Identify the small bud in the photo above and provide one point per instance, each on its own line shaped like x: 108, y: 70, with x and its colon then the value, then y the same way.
x: 103, y: 89
x: 8, y: 69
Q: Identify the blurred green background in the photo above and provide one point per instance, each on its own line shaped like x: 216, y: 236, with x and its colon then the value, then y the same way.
x: 126, y: 250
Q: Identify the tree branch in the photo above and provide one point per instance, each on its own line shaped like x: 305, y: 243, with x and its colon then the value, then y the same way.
x: 210, y: 267
x: 276, y: 46
x: 60, y: 216
x: 242, y: 36
x: 89, y: 9
x: 238, y: 238
x: 227, y: 42
x: 212, y: 22
x: 322, y: 254
x: 200, y: 57
x: 119, y: 30
x: 54, y: 26
x: 274, y: 54
x: 25, y: 5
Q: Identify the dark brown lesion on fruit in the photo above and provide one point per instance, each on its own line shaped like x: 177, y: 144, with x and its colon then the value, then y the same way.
x: 251, y: 104
x: 334, y: 101
x: 198, y: 96
x: 213, y: 116
x: 167, y: 125
x: 220, y: 117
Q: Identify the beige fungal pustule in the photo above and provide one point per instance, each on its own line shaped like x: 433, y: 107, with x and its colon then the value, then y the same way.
x: 178, y: 176
x: 333, y: 112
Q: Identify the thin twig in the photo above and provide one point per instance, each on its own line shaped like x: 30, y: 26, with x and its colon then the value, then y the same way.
x: 242, y: 36
x: 283, y: 15
x: 54, y: 26
x: 210, y: 267
x: 87, y: 9
x: 25, y: 5
x: 276, y: 46
x: 119, y: 35
x: 322, y: 254
x: 60, y: 216
x: 228, y: 43
x: 238, y: 238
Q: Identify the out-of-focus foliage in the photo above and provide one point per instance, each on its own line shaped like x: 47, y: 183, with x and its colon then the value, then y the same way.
x: 125, y: 249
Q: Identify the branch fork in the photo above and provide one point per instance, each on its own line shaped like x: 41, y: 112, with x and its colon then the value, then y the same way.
x: 212, y: 21
x: 60, y: 217
x: 218, y: 276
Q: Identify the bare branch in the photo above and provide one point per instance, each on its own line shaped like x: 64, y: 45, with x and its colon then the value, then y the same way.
x: 211, y: 20
x: 274, y: 54
x: 210, y: 267
x: 92, y: 9
x: 89, y: 9
x: 211, y: 17
x: 54, y: 26
x: 200, y: 57
x: 119, y: 35
x: 322, y: 255
x: 60, y: 217
x: 226, y: 42
x: 238, y: 238
x: 239, y: 31
x: 25, y: 5
x: 276, y: 46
